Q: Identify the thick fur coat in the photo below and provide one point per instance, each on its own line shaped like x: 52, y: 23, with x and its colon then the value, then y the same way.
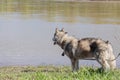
x: 86, y: 48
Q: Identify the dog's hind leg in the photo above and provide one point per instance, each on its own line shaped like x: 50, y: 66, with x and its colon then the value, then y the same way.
x: 104, y: 63
x: 112, y: 64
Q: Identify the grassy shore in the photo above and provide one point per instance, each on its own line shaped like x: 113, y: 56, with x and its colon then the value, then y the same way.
x: 56, y: 73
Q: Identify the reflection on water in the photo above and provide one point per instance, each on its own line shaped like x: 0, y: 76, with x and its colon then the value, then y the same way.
x: 27, y: 28
x: 98, y: 12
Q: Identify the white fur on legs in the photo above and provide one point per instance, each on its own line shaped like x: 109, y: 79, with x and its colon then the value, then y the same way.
x: 104, y: 64
x: 112, y: 64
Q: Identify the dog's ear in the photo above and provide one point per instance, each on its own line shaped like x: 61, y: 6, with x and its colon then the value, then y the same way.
x: 66, y: 32
x: 56, y: 30
x: 62, y: 29
x: 107, y: 41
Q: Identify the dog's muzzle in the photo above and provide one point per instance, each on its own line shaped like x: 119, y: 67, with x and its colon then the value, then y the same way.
x: 55, y: 43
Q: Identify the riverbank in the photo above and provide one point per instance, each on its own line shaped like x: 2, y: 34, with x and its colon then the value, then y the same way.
x: 86, y: 0
x: 55, y: 73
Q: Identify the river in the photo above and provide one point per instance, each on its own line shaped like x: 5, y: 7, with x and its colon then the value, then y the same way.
x: 27, y: 28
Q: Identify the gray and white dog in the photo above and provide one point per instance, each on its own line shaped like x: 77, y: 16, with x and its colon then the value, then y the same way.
x: 86, y: 48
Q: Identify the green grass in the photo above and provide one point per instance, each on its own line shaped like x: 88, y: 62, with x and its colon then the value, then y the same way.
x: 56, y: 73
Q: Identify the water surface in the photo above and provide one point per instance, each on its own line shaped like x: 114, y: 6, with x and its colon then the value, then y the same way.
x: 27, y: 28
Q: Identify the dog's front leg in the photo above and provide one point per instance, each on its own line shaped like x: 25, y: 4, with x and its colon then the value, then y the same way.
x: 74, y: 64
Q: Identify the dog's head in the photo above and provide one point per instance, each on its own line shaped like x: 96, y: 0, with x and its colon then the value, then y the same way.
x: 58, y: 35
